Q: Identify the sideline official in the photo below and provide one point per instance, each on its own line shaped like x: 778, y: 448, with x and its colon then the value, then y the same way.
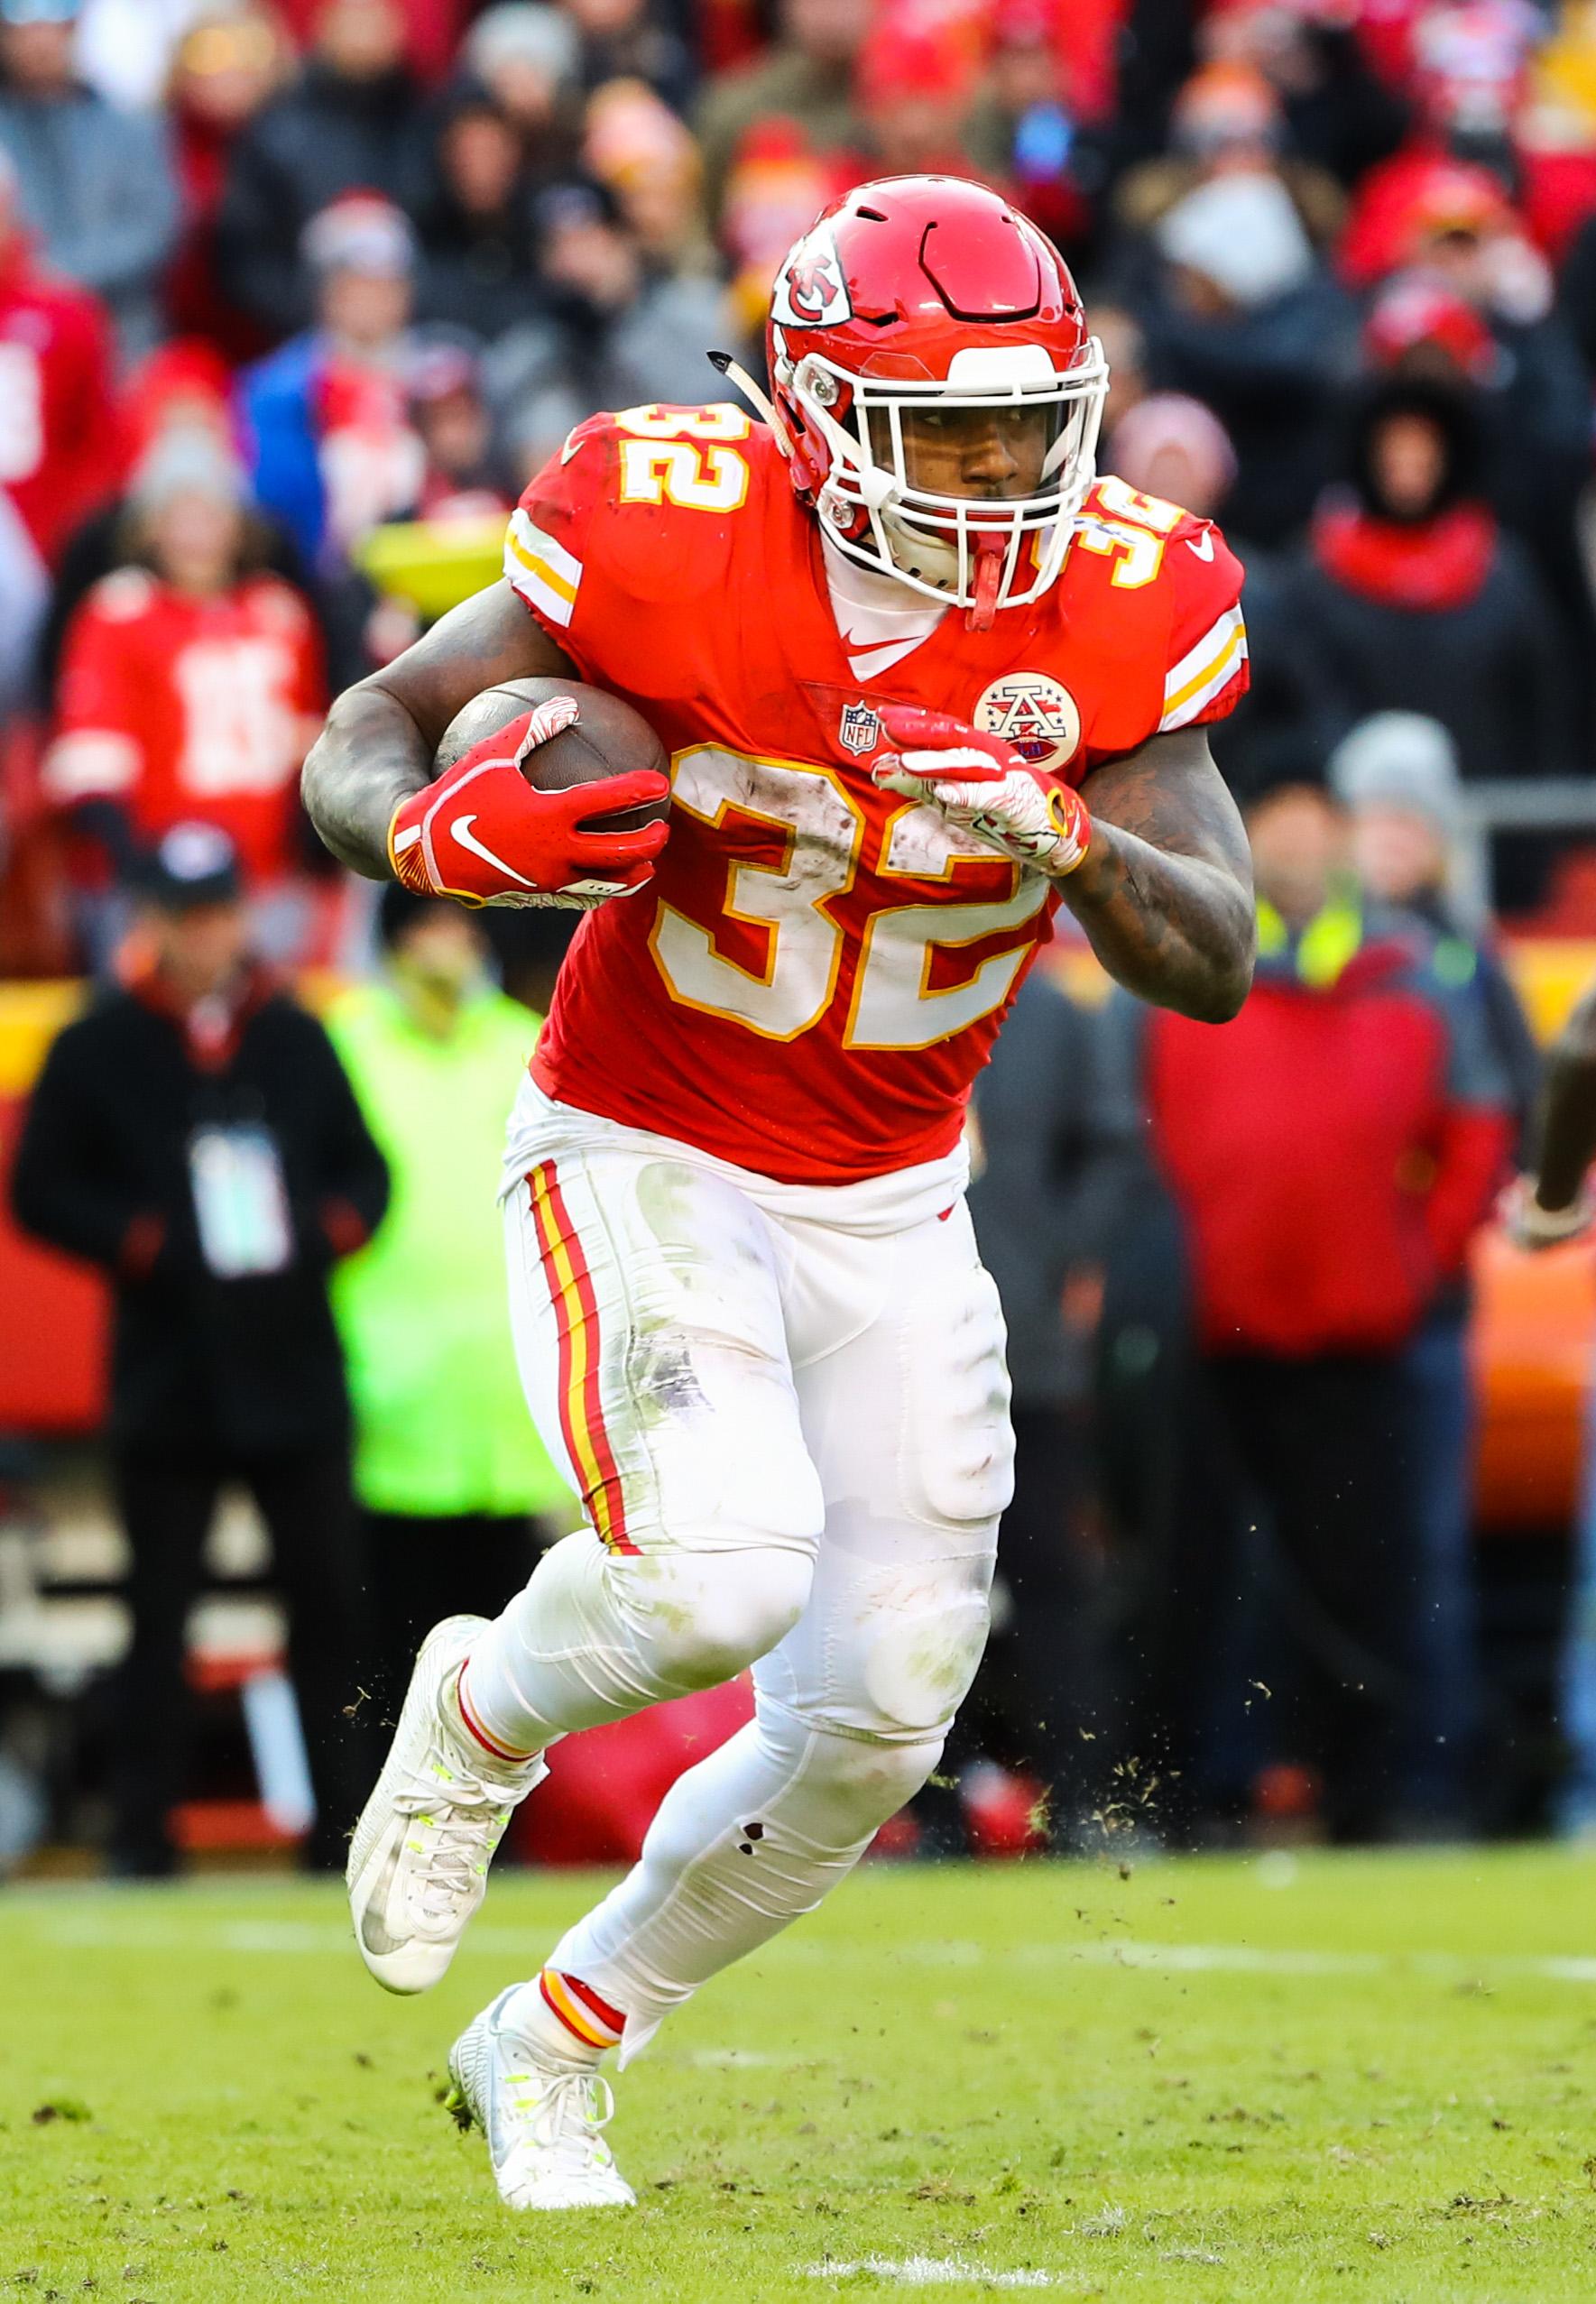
x: 194, y: 1136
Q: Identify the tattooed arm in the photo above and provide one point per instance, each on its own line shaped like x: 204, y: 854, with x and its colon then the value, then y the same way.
x: 1165, y: 889
x: 377, y: 746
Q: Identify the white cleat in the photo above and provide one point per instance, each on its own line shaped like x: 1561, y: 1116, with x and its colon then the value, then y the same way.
x: 419, y: 1862
x: 544, y: 2123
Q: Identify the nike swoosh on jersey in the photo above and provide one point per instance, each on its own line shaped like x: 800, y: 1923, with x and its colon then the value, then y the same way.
x: 460, y: 830
x: 866, y: 662
x: 1203, y: 546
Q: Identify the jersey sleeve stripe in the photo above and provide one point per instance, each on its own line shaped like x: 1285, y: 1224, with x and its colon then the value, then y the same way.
x: 89, y: 761
x: 542, y: 570
x: 1200, y: 675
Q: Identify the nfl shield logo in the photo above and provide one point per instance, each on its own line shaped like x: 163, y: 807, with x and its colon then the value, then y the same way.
x: 860, y: 731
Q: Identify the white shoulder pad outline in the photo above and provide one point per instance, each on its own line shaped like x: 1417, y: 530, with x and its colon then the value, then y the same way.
x: 811, y: 291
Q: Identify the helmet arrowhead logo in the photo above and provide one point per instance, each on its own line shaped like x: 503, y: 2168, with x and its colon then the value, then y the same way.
x: 810, y: 289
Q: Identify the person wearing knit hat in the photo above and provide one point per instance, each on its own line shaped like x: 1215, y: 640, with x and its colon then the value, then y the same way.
x: 1169, y: 444
x: 1397, y: 774
x: 190, y: 685
x: 333, y: 455
x: 529, y: 55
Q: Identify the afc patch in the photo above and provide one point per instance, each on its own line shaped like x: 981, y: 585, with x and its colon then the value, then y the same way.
x: 859, y: 730
x: 1034, y: 713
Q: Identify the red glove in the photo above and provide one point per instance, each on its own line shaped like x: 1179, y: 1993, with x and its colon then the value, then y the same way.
x: 484, y: 835
x: 981, y: 782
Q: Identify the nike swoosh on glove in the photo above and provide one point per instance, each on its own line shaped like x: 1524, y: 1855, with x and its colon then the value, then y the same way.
x: 983, y: 784
x: 484, y: 835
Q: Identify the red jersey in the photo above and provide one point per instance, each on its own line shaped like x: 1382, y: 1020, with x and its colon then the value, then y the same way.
x: 817, y: 970
x: 57, y: 424
x: 186, y: 709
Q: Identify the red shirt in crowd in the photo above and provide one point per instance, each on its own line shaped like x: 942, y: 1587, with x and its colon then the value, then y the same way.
x: 184, y: 709
x: 58, y: 422
x: 1331, y: 1151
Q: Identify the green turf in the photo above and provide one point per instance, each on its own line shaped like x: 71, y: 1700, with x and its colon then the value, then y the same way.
x: 1353, y: 2078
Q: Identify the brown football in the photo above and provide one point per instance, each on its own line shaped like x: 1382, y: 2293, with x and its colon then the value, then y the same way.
x: 610, y: 739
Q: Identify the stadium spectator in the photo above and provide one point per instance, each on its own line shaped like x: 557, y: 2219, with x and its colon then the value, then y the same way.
x: 183, y: 387
x: 332, y: 450
x: 775, y: 184
x: 192, y: 687
x: 914, y: 86
x: 354, y: 122
x: 528, y: 55
x: 636, y: 145
x: 1397, y: 776
x: 479, y: 248
x: 1227, y: 120
x: 126, y: 48
x: 1527, y: 384
x: 57, y: 417
x: 625, y: 39
x: 432, y: 30
x: 806, y: 80
x: 447, y: 1464
x: 1025, y: 131
x: 1409, y: 598
x: 194, y: 1136
x: 227, y: 67
x: 1053, y: 1128
x: 1241, y: 314
x: 98, y: 188
x: 1338, y: 113
x: 613, y: 336
x: 1331, y: 1154
x: 1169, y: 444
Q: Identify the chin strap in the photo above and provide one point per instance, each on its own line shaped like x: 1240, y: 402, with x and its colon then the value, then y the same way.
x: 736, y: 373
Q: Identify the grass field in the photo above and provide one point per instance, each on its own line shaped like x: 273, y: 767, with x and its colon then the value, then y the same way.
x: 1340, y: 2077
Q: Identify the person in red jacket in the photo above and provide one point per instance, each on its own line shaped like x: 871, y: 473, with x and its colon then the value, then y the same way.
x: 191, y: 689
x: 1330, y: 1155
x: 58, y: 426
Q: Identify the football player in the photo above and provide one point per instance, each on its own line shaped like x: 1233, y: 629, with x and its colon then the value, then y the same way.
x: 922, y: 678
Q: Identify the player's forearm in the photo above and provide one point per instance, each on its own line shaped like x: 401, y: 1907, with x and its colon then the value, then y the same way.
x: 369, y: 757
x: 378, y: 745
x: 1165, y: 889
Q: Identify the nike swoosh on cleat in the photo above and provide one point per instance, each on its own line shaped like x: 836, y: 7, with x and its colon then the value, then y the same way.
x: 460, y: 830
x: 374, y: 1930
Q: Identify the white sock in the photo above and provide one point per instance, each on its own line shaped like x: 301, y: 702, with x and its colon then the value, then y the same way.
x: 754, y: 1836
x: 565, y: 2024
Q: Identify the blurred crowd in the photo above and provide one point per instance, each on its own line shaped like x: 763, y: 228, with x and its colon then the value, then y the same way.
x: 294, y: 297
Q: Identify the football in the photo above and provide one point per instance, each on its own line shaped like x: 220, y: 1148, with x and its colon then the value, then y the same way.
x: 610, y: 739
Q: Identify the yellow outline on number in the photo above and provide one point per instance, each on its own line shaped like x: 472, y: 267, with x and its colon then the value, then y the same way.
x: 728, y: 910
x: 938, y: 944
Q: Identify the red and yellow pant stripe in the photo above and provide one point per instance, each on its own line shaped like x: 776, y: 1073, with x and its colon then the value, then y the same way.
x: 575, y: 1313
x: 580, y: 2010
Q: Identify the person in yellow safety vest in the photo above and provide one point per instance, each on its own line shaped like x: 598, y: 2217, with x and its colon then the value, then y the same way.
x: 448, y: 1468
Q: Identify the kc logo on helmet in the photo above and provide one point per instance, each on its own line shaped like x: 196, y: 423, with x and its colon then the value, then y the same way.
x: 859, y: 730
x: 1036, y: 715
x: 810, y: 289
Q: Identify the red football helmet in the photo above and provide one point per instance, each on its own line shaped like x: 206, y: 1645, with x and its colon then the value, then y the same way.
x: 905, y: 301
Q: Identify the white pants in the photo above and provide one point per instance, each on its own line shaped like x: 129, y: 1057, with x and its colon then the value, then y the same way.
x: 788, y: 1411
